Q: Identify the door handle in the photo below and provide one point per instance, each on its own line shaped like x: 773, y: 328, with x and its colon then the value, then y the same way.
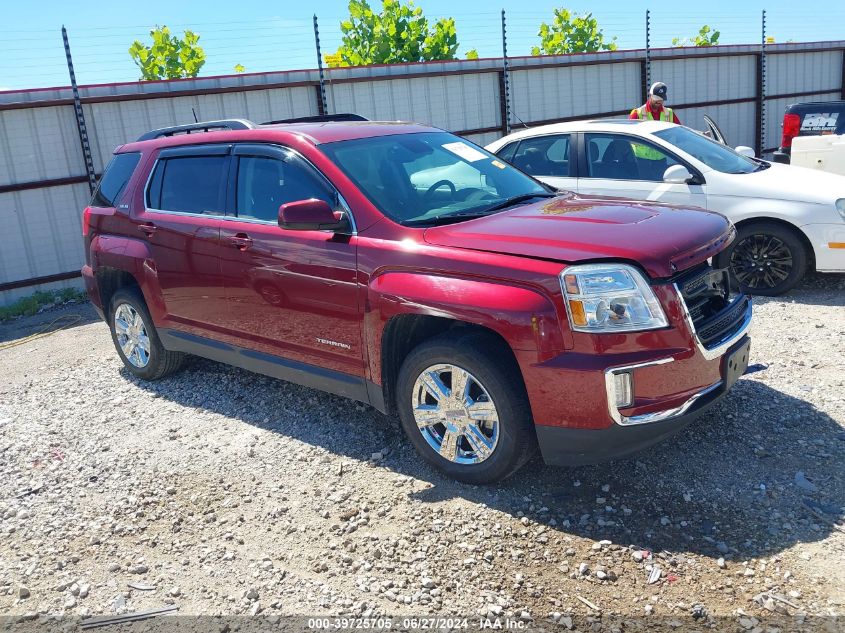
x: 148, y: 227
x: 240, y: 240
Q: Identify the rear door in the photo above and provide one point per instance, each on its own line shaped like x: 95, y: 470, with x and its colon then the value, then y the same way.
x: 290, y: 293
x: 626, y: 166
x: 184, y: 204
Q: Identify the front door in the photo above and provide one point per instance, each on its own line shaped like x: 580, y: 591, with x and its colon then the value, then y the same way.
x: 290, y: 293
x: 632, y: 167
x: 180, y: 221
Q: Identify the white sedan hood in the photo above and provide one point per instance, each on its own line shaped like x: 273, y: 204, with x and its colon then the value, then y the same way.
x: 781, y: 182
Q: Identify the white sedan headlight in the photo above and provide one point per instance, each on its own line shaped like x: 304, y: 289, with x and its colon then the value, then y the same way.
x: 603, y: 298
x: 840, y: 206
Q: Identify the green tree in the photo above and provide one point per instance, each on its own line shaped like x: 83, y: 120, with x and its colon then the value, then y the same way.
x: 239, y: 68
x: 471, y: 54
x: 571, y: 33
x: 398, y: 33
x: 705, y: 37
x: 169, y: 57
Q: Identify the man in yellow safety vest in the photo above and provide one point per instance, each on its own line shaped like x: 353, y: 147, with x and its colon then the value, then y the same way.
x: 653, y: 110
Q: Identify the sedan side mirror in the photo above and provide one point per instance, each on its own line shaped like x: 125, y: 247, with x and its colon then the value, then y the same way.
x: 744, y: 150
x: 311, y: 215
x: 677, y: 174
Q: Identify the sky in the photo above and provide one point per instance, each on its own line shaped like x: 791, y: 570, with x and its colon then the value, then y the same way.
x: 265, y: 36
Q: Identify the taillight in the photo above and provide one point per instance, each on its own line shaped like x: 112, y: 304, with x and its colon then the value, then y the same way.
x: 86, y: 221
x: 791, y: 129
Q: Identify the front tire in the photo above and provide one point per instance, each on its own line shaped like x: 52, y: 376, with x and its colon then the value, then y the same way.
x: 765, y: 259
x: 462, y: 403
x: 136, y: 339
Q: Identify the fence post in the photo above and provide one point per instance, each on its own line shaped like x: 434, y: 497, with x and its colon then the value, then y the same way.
x: 843, y: 74
x: 80, y: 118
x: 761, y: 89
x: 504, y: 89
x: 647, y: 69
x: 321, y: 89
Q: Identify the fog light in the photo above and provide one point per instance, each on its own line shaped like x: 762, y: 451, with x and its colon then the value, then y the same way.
x: 623, y: 389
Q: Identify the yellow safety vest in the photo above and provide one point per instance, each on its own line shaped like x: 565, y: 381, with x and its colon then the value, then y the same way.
x: 642, y: 151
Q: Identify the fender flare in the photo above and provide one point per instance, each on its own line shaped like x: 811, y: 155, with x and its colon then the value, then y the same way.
x: 524, y: 317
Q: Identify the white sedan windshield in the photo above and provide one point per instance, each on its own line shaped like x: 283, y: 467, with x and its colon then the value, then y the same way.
x: 713, y: 154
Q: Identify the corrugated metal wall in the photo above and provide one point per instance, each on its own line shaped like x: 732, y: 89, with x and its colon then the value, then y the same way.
x: 39, y: 143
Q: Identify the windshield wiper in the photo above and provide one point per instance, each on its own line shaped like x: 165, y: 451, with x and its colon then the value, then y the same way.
x: 504, y: 204
x: 449, y: 218
x: 445, y: 219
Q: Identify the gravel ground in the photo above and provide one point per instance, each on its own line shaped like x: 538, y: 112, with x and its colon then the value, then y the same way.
x: 223, y: 492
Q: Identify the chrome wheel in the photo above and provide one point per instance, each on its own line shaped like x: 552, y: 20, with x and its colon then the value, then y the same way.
x: 455, y: 414
x: 132, y: 335
x: 761, y: 261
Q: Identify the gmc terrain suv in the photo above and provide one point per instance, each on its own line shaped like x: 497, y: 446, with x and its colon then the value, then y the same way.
x: 404, y: 267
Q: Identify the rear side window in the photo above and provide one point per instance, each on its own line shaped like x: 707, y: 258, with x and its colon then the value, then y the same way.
x: 506, y: 153
x: 191, y: 184
x: 543, y: 156
x: 114, y: 180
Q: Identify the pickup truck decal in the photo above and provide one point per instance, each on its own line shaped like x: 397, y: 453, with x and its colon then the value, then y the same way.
x: 820, y: 122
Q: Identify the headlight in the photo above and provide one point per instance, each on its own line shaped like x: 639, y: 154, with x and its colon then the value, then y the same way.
x: 609, y: 298
x: 840, y: 206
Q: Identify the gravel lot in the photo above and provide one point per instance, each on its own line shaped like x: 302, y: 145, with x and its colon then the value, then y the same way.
x: 224, y: 492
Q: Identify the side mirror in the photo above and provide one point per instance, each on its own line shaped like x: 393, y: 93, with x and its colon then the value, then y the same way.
x: 677, y: 174
x: 744, y: 150
x: 781, y: 157
x: 311, y: 215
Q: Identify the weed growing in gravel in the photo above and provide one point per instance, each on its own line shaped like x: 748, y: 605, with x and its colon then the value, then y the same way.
x: 41, y: 299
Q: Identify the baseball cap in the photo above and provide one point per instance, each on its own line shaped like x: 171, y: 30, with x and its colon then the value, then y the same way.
x: 659, y: 89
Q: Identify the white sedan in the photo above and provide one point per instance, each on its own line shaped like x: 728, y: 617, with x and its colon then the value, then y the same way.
x: 788, y: 218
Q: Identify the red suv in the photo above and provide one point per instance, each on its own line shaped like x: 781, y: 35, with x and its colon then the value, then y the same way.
x: 404, y: 267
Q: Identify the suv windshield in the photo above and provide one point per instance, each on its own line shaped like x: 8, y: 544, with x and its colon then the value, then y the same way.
x: 713, y: 154
x: 431, y: 178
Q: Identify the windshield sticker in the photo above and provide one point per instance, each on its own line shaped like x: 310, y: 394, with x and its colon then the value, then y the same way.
x: 496, y: 163
x: 469, y: 154
x: 819, y: 122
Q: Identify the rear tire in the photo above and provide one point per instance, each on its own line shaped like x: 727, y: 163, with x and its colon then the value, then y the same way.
x: 136, y: 339
x: 480, y: 434
x: 765, y: 259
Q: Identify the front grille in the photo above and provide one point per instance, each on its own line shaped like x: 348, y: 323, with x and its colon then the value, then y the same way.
x: 706, y: 292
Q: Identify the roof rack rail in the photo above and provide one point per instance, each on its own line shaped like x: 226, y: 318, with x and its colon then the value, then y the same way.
x: 320, y: 118
x: 202, y: 126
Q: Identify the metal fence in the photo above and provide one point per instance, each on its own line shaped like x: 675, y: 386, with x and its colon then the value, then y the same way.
x: 43, y: 170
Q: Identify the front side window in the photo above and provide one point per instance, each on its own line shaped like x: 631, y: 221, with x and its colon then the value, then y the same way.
x: 264, y: 184
x: 189, y: 184
x: 543, y: 156
x: 114, y: 180
x: 620, y: 157
x: 431, y: 177
x: 713, y: 154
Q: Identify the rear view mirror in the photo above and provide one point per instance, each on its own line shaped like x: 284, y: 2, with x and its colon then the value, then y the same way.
x: 677, y: 174
x: 744, y: 150
x: 311, y: 215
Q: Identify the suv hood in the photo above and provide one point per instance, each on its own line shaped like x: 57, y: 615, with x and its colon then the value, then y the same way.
x: 663, y: 239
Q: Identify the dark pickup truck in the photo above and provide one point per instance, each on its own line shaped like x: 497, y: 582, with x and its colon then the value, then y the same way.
x: 810, y: 119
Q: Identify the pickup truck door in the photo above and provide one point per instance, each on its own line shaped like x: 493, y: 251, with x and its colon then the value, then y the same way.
x: 632, y: 167
x: 291, y: 294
